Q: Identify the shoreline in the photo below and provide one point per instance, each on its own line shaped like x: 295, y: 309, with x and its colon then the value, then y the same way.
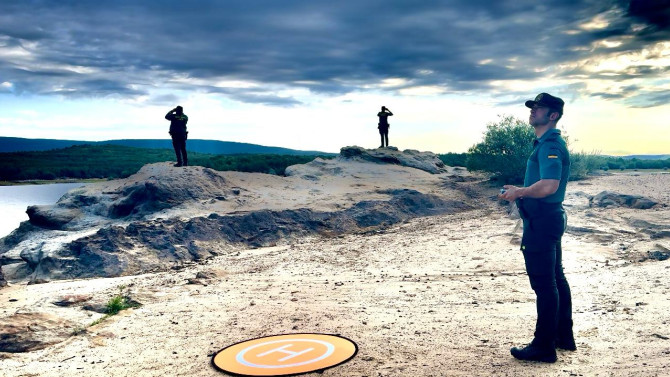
x: 51, y: 181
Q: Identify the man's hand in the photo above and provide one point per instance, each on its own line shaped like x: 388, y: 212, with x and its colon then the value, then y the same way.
x: 539, y: 189
x: 511, y: 193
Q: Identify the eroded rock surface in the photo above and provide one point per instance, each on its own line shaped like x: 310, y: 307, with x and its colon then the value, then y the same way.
x: 154, y: 188
x: 613, y: 199
x: 157, y: 245
x: 23, y: 332
x: 426, y: 161
x: 164, y: 216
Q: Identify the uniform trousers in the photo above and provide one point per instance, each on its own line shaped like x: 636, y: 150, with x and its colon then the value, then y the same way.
x: 179, y: 144
x: 384, y: 133
x: 542, y: 252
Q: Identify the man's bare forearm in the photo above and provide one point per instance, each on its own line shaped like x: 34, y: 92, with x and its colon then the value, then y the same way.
x: 540, y: 189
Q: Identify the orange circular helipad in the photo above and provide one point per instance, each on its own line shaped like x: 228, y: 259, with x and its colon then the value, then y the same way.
x: 285, y: 355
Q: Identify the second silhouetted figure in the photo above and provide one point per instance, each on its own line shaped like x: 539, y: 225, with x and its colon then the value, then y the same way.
x: 384, y: 125
x: 179, y: 134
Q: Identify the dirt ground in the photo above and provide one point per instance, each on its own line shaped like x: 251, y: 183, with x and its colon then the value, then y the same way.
x: 436, y: 296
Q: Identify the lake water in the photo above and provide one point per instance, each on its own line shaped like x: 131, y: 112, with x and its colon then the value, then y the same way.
x: 15, y: 199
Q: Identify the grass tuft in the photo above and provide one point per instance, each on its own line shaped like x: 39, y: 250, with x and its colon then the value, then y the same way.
x: 115, y: 304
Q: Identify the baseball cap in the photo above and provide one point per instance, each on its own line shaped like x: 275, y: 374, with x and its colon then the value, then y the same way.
x: 545, y: 99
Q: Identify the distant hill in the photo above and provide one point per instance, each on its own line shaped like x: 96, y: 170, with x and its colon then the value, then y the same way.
x: 647, y: 156
x: 17, y: 144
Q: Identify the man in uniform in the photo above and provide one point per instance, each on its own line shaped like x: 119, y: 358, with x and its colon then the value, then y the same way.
x: 383, y: 125
x: 179, y: 134
x: 544, y: 222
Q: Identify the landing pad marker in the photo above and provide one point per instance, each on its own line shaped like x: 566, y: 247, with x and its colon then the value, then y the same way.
x: 285, y: 355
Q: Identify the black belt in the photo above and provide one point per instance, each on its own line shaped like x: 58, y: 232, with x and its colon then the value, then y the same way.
x: 531, y: 208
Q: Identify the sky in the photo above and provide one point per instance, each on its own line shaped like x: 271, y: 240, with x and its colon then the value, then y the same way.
x: 313, y: 74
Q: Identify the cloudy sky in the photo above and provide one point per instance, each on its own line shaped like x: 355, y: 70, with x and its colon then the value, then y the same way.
x: 313, y: 74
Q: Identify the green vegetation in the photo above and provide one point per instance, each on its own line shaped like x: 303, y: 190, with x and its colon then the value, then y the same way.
x: 508, y: 143
x: 634, y: 163
x: 252, y: 163
x: 119, y: 302
x: 582, y: 164
x: 113, y: 161
x: 454, y: 159
x: 505, y: 149
x: 116, y: 304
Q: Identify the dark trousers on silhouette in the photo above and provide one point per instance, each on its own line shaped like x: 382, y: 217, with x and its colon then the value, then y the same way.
x: 542, y: 252
x: 384, y: 133
x: 179, y: 144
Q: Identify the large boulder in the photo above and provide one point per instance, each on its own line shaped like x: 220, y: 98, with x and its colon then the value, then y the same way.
x: 613, y: 199
x: 154, y: 188
x: 51, y: 217
x: 426, y: 161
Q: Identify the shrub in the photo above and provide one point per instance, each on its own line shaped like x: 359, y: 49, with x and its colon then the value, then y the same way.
x: 582, y: 164
x: 116, y: 304
x: 454, y: 159
x: 505, y: 150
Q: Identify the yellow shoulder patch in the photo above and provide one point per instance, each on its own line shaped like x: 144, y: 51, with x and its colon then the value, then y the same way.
x: 552, y: 156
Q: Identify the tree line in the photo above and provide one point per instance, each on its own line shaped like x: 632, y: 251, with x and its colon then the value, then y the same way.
x: 114, y: 161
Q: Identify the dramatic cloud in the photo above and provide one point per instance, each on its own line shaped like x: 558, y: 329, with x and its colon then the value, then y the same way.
x: 251, y: 51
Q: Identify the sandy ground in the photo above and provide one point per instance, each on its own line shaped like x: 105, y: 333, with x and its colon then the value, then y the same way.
x: 436, y: 296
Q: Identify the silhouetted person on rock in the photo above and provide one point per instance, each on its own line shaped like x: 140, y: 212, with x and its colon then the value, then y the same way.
x: 179, y: 134
x: 384, y: 125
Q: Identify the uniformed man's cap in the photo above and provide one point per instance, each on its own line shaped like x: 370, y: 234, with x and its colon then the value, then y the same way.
x: 545, y: 99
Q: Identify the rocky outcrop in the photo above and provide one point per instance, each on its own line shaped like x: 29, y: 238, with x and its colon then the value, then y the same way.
x: 613, y: 199
x: 314, y: 170
x: 115, y: 251
x: 657, y: 227
x: 154, y: 188
x: 23, y: 332
x: 659, y: 255
x: 426, y: 161
x: 162, y: 217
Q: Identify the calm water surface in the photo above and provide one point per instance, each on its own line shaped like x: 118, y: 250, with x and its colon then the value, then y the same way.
x: 15, y: 199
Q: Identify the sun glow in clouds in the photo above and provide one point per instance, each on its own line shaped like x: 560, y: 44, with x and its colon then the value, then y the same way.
x: 596, y: 23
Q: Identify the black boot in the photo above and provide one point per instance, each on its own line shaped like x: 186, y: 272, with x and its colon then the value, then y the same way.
x: 565, y: 339
x: 566, y: 342
x: 534, y: 352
